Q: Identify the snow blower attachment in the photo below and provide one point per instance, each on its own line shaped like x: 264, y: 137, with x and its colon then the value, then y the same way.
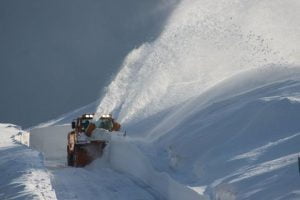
x: 88, y: 138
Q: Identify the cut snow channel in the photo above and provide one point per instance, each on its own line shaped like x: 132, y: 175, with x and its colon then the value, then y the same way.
x: 134, y: 178
x: 92, y: 182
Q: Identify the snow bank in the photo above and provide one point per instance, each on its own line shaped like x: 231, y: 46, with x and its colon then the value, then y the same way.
x: 23, y: 137
x: 126, y: 158
x: 23, y: 175
x: 51, y: 141
x: 94, y: 182
x: 237, y: 138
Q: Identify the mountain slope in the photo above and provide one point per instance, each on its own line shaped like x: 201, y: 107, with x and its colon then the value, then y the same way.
x: 246, y: 143
x: 237, y: 140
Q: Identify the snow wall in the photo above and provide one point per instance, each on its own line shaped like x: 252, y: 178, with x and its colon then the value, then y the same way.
x: 51, y: 141
x: 125, y: 157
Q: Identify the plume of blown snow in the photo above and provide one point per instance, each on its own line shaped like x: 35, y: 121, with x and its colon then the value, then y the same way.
x: 204, y: 42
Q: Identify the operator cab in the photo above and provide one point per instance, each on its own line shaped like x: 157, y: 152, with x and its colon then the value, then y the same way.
x: 82, y: 122
x: 106, y: 122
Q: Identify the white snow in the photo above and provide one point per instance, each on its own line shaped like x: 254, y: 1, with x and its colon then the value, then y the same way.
x: 256, y: 153
x: 265, y: 167
x: 23, y: 175
x: 127, y: 158
x: 234, y: 144
x: 97, y: 183
x: 214, y: 101
x: 139, y: 178
x: 211, y: 109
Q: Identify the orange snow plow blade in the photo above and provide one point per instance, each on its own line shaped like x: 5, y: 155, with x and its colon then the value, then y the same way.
x: 85, y: 154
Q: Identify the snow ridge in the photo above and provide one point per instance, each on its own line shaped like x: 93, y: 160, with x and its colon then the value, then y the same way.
x: 23, y: 174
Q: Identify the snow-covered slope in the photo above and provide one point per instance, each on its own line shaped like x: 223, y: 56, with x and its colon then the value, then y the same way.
x: 23, y: 174
x: 244, y: 143
x: 237, y: 140
x: 214, y: 100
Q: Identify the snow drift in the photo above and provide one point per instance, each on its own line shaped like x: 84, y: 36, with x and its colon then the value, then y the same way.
x: 23, y: 174
x: 246, y: 142
x: 127, y: 158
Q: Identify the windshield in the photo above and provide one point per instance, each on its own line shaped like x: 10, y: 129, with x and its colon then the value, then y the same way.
x: 85, y: 123
x: 106, y: 124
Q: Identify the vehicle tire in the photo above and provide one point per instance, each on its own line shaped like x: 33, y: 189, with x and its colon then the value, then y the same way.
x: 70, y: 158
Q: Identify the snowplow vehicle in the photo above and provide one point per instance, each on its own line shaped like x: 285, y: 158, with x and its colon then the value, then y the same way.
x: 88, y: 138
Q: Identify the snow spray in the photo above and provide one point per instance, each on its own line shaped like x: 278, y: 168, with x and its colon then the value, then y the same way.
x: 203, y: 43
